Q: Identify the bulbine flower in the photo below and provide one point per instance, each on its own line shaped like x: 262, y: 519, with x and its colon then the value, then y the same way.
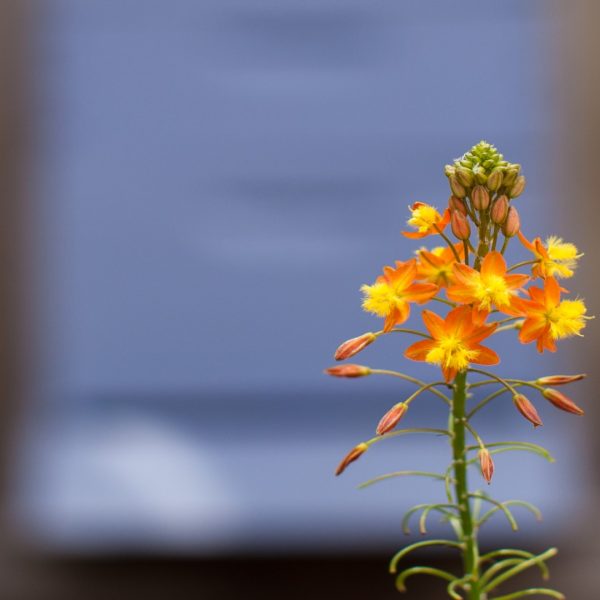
x: 391, y: 294
x: 348, y: 371
x: 391, y: 418
x: 436, y: 266
x: 548, y: 319
x: 491, y: 287
x: 353, y: 455
x: 455, y: 342
x: 353, y: 346
x: 554, y: 259
x: 562, y: 401
x: 527, y: 409
x: 487, y: 464
x: 426, y: 220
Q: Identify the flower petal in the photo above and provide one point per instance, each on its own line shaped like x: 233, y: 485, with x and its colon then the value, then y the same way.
x: 434, y: 323
x: 485, y: 355
x: 493, y: 264
x: 419, y: 350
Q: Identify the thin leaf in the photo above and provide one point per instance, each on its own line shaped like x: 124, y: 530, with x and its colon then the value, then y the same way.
x: 438, y: 507
x: 507, y: 513
x: 421, y: 571
x: 532, y: 592
x: 399, y: 555
x: 400, y: 474
x: 528, y: 505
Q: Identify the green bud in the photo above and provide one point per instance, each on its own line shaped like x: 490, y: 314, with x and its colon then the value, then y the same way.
x: 464, y: 176
x: 480, y: 174
x: 448, y: 170
x: 510, y: 175
x: 457, y: 189
x: 517, y: 189
x: 480, y: 198
x: 494, y: 180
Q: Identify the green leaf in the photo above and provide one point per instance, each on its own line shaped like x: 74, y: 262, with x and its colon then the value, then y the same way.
x: 400, y: 555
x: 507, y: 513
x: 404, y: 575
x: 441, y: 508
x: 516, y: 446
x: 400, y: 474
x: 534, y: 509
x: 532, y: 592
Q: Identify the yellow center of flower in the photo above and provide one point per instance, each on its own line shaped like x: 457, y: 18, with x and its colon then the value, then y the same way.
x: 381, y: 298
x: 451, y: 352
x: 562, y: 258
x: 492, y: 290
x: 566, y: 319
x: 424, y: 217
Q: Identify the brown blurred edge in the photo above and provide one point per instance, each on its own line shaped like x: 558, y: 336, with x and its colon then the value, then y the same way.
x: 27, y: 574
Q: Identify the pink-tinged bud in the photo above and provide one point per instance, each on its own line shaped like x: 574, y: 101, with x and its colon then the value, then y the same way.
x: 457, y: 189
x: 487, y: 464
x: 460, y: 225
x: 499, y: 210
x: 512, y: 224
x: 458, y: 204
x: 562, y: 402
x: 559, y: 379
x: 348, y: 371
x: 527, y: 409
x: 494, y: 181
x: 510, y: 176
x: 391, y: 418
x: 354, y: 346
x: 353, y: 455
x: 480, y: 198
x: 517, y: 187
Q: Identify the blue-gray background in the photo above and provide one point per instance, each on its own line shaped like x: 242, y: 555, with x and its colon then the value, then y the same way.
x: 214, y: 182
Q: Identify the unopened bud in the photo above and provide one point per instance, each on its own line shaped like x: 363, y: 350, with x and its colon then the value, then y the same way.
x: 457, y: 189
x: 487, y: 464
x: 449, y: 170
x: 391, y: 418
x: 460, y: 225
x: 353, y: 455
x: 527, y: 409
x: 562, y: 402
x: 512, y: 224
x: 499, y: 210
x: 510, y: 175
x: 494, y: 180
x: 517, y: 187
x: 559, y: 379
x: 458, y: 204
x: 480, y: 174
x: 348, y: 371
x: 464, y: 176
x: 354, y: 346
x: 480, y: 198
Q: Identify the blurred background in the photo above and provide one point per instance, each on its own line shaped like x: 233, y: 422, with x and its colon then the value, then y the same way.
x: 192, y: 194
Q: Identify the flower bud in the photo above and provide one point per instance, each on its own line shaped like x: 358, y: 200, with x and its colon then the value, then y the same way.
x: 457, y: 189
x: 460, y: 225
x: 458, y: 204
x: 510, y: 175
x: 494, y: 180
x: 559, y: 379
x: 562, y: 402
x: 464, y: 176
x: 517, y: 187
x: 353, y: 455
x: 480, y: 198
x: 354, y: 346
x: 487, y: 464
x: 512, y: 224
x: 480, y: 174
x: 449, y: 170
x: 348, y: 371
x: 527, y: 409
x: 499, y: 210
x: 391, y: 418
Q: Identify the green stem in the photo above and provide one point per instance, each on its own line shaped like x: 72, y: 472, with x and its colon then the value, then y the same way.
x: 449, y: 242
x: 459, y: 455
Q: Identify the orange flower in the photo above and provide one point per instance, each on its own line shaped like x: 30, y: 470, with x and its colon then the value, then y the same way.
x: 548, y: 318
x: 554, y: 259
x: 427, y: 220
x: 455, y: 342
x: 490, y: 287
x: 391, y: 294
x: 437, y: 266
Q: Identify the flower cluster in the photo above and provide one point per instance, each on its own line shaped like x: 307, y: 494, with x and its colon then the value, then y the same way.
x: 472, y: 294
